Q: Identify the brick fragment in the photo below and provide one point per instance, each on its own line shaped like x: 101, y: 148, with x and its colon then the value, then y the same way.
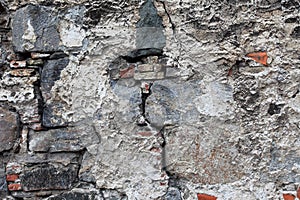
x: 14, y: 187
x: 12, y: 177
x: 288, y: 197
x: 206, y: 197
x: 260, y: 57
x: 18, y: 64
x: 22, y: 72
x: 127, y: 72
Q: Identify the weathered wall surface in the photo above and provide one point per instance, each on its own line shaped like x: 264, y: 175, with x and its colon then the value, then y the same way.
x: 149, y: 99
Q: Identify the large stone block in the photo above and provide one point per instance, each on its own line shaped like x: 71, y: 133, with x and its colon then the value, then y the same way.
x: 48, y: 177
x: 34, y: 28
x: 203, y: 155
x: 51, y: 73
x: 62, y: 140
x: 149, y: 32
x: 8, y: 129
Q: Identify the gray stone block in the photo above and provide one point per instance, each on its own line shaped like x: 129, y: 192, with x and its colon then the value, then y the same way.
x: 8, y: 129
x: 34, y: 28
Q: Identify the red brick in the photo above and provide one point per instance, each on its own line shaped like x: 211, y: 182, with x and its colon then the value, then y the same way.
x: 163, y: 183
x: 14, y: 187
x: 12, y: 177
x: 127, y: 73
x: 260, y: 57
x: 298, y: 193
x: 288, y: 197
x: 206, y: 197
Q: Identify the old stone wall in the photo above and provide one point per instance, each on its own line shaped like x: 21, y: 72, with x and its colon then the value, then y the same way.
x: 150, y: 99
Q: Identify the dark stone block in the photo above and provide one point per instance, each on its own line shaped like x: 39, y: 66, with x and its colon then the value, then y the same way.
x: 49, y: 177
x: 8, y: 129
x: 149, y: 28
x: 149, y: 16
x: 39, y: 23
x: 51, y: 73
x: 52, y: 115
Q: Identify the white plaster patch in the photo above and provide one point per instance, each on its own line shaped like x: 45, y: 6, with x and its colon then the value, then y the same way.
x: 70, y: 34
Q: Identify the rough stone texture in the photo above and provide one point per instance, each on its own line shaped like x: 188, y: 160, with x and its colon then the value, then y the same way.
x: 62, y: 140
x: 48, y: 178
x: 150, y: 99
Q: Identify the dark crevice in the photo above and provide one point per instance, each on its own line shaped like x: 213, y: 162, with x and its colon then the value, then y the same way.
x: 165, y: 8
x: 145, y: 93
x: 137, y: 55
x: 274, y: 108
x: 174, y: 181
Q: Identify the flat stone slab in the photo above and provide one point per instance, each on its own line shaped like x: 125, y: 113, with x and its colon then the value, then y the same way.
x: 8, y: 129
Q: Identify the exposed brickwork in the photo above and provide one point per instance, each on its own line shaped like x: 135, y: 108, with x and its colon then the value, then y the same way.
x: 14, y: 187
x: 12, y: 177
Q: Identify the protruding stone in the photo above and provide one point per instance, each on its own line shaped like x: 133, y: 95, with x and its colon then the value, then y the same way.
x: 8, y: 129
